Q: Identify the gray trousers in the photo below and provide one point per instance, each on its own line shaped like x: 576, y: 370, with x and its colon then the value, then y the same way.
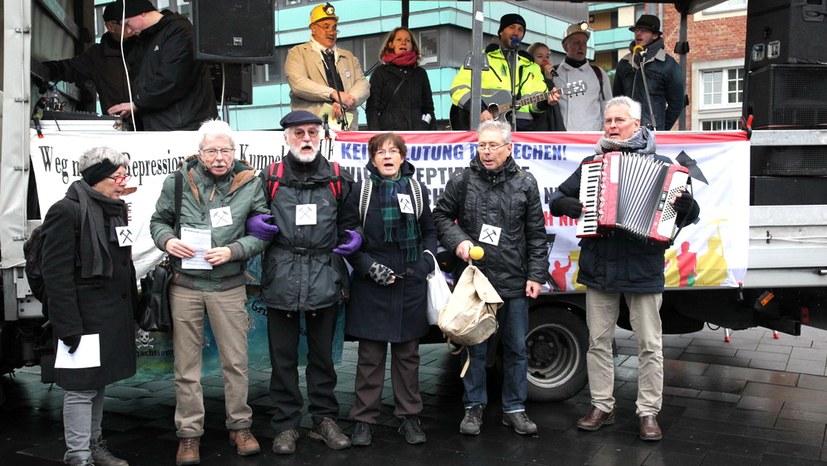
x: 370, y: 377
x: 602, y: 310
x: 82, y: 415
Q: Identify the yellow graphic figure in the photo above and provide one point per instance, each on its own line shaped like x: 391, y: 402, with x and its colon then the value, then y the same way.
x: 574, y: 255
x: 671, y: 272
x: 712, y: 266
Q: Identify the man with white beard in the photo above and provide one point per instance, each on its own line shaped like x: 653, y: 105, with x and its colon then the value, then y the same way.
x: 303, y: 273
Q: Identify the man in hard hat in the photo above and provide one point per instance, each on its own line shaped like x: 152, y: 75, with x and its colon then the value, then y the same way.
x: 325, y: 79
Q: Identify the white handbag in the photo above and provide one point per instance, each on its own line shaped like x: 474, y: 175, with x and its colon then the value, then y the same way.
x: 438, y: 292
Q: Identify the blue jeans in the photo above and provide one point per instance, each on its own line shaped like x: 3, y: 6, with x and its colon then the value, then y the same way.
x: 513, y: 325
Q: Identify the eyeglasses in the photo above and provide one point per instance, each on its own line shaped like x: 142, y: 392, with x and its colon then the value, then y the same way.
x: 391, y: 152
x: 328, y: 28
x: 299, y: 133
x: 490, y: 146
x: 224, y: 151
x: 120, y: 178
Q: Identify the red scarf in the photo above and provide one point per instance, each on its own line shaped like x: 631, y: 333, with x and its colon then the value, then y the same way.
x: 408, y: 58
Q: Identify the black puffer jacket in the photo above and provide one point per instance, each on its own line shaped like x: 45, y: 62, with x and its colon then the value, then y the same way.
x: 399, y: 97
x: 508, y: 199
x: 617, y: 262
x: 172, y: 90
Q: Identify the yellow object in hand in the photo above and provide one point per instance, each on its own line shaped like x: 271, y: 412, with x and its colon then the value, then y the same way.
x: 476, y: 253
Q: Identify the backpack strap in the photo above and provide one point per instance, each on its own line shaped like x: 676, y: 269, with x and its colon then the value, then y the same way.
x: 273, y: 182
x: 597, y: 72
x: 416, y: 191
x: 364, y: 199
x: 336, y: 182
x: 179, y: 194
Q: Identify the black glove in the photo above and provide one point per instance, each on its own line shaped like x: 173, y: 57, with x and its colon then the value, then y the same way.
x: 381, y: 274
x: 72, y: 341
x: 568, y: 206
x: 683, y: 203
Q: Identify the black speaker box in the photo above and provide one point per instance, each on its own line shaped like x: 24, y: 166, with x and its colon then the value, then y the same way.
x: 237, y: 81
x: 788, y: 190
x: 788, y: 97
x: 786, y: 31
x: 234, y: 31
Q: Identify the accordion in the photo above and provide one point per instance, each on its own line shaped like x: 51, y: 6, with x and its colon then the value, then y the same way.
x: 630, y: 192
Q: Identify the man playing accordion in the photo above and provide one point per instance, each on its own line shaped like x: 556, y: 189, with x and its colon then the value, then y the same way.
x: 620, y: 263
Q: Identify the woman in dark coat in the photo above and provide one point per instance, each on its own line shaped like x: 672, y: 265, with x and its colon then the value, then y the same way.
x: 91, y: 288
x: 400, y: 93
x: 388, y: 290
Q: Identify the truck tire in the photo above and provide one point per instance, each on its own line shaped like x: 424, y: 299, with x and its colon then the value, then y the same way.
x: 556, y: 346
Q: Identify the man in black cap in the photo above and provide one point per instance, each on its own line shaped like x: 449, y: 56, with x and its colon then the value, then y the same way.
x: 663, y: 93
x: 170, y: 89
x: 304, y: 276
x: 497, y: 80
x: 101, y: 63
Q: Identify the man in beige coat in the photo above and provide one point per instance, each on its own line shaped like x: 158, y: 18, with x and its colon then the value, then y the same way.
x: 324, y: 79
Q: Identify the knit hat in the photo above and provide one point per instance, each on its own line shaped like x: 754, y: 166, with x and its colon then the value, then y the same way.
x: 114, y: 11
x: 650, y: 22
x: 509, y: 19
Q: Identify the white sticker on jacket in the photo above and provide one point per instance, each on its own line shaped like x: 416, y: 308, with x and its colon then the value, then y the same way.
x: 490, y: 234
x: 306, y: 214
x: 405, y: 204
x: 126, y: 237
x: 221, y: 217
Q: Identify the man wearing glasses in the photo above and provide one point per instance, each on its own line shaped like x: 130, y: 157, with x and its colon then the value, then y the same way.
x: 495, y: 204
x: 304, y: 276
x: 325, y: 79
x: 208, y: 252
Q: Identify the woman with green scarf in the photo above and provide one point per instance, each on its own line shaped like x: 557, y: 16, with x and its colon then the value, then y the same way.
x: 388, y: 290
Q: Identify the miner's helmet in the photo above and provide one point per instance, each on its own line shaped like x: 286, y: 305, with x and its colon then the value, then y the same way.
x: 321, y: 12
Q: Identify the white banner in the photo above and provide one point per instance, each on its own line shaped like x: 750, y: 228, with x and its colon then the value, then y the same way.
x: 710, y: 253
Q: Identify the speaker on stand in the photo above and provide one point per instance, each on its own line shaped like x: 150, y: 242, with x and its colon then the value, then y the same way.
x: 234, y: 31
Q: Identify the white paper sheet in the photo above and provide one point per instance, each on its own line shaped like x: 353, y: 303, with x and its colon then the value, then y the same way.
x: 88, y: 353
x: 201, y: 241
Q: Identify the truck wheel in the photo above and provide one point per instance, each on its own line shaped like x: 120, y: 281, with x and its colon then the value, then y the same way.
x: 556, y: 346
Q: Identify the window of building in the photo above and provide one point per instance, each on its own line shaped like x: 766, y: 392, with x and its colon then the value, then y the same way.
x: 429, y: 46
x: 371, y: 47
x: 729, y: 5
x: 722, y: 87
x: 719, y: 125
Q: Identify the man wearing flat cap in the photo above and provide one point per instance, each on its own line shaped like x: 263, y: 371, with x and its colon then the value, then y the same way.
x: 582, y: 111
x: 665, y: 81
x: 101, y: 63
x: 497, y: 80
x: 304, y: 277
x: 170, y: 89
x: 324, y: 79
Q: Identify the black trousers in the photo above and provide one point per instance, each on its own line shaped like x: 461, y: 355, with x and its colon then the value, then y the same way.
x: 370, y: 378
x: 283, y: 335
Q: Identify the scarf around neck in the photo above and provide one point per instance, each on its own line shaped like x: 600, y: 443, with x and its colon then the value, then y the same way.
x: 643, y: 142
x: 407, y: 58
x: 399, y: 228
x: 95, y: 239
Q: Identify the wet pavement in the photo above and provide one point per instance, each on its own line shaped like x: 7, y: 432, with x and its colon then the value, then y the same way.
x: 753, y: 401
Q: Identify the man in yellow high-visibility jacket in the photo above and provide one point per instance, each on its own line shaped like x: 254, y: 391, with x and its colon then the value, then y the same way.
x: 496, y: 81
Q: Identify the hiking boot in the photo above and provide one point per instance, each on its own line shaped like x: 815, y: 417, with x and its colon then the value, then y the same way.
x: 329, y: 432
x: 361, y: 434
x: 188, y: 451
x: 472, y: 421
x: 520, y: 422
x: 244, y: 442
x: 411, y: 428
x: 103, y: 457
x: 285, y: 442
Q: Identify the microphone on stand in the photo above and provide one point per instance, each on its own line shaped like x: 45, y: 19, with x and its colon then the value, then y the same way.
x: 515, y: 43
x: 639, y: 50
x: 326, y: 127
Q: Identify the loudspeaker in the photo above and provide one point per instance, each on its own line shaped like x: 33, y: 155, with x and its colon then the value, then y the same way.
x: 234, y: 31
x: 237, y: 79
x: 788, y: 97
x: 786, y: 31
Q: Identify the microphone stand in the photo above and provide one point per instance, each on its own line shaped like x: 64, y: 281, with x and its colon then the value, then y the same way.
x: 653, y: 123
x: 327, y: 140
x: 515, y: 44
x: 337, y: 80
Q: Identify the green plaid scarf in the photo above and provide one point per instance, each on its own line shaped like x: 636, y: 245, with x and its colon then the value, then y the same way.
x: 399, y: 228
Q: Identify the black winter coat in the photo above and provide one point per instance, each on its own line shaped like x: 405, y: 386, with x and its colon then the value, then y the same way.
x: 399, y: 97
x: 394, y: 313
x: 172, y: 90
x: 100, y: 63
x: 88, y: 305
x: 617, y: 262
x: 508, y: 199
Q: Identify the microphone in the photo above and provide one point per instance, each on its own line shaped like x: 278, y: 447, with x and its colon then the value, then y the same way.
x: 326, y: 127
x: 639, y: 50
x: 515, y: 43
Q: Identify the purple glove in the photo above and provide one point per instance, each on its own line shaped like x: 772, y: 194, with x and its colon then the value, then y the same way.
x: 353, y: 243
x: 260, y: 227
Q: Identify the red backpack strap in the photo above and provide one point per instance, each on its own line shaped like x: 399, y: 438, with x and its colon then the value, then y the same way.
x: 273, y: 184
x: 336, y: 185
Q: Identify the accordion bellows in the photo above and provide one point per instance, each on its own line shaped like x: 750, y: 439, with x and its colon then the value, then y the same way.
x: 630, y: 192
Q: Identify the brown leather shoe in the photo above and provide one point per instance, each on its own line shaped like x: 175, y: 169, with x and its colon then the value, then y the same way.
x: 188, y: 451
x: 244, y: 442
x: 595, y: 420
x: 649, y: 429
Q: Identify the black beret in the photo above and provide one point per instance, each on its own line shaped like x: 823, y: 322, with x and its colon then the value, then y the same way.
x: 299, y: 117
